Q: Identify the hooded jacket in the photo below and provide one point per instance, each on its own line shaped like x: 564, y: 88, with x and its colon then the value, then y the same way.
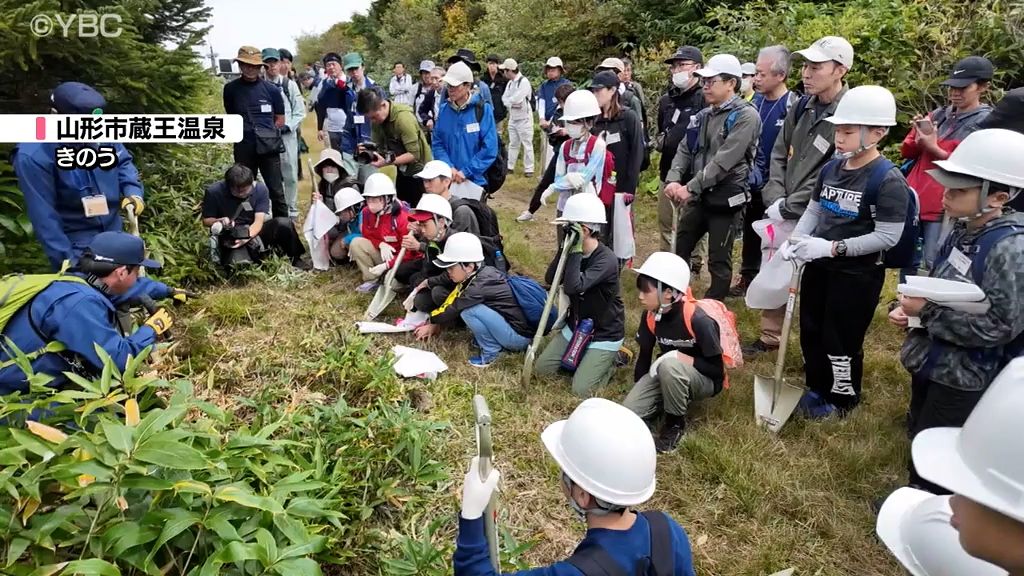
x: 490, y: 288
x: 463, y: 142
x: 357, y: 126
x: 592, y: 285
x: 675, y: 108
x: 625, y: 139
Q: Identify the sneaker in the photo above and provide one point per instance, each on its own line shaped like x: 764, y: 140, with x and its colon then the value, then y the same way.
x: 739, y: 289
x: 526, y: 216
x: 757, y: 348
x: 671, y: 433
x: 529, y: 174
x: 482, y: 361
x: 813, y: 407
x: 366, y: 287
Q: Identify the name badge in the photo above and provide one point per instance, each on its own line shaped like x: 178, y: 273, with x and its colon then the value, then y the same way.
x: 960, y: 261
x: 780, y: 122
x: 390, y: 239
x: 737, y: 200
x: 821, y: 144
x: 95, y: 206
x: 359, y: 119
x: 675, y: 116
x: 266, y: 108
x: 472, y: 128
x: 613, y: 138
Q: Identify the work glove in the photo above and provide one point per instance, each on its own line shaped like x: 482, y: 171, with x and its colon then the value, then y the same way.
x: 181, y: 296
x: 577, y: 243
x: 627, y: 199
x: 786, y: 250
x: 160, y: 321
x: 476, y: 493
x: 379, y: 269
x: 387, y: 252
x: 774, y: 212
x: 810, y: 248
x: 134, y: 201
x: 576, y: 181
x: 547, y: 194
x: 653, y: 372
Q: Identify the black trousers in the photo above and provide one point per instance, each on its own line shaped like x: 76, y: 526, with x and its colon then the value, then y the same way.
x: 279, y: 234
x: 720, y: 227
x: 408, y: 272
x: 269, y: 167
x: 936, y: 406
x: 750, y: 255
x: 429, y: 300
x: 546, y: 180
x: 836, y: 309
x: 409, y: 188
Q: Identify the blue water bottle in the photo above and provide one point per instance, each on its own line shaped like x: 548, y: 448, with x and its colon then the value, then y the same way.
x: 578, y: 345
x: 500, y: 263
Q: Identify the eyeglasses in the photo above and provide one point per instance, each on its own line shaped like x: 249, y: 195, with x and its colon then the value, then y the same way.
x: 677, y: 65
x: 710, y: 81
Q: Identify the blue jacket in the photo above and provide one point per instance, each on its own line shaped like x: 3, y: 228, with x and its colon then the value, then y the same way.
x: 329, y: 97
x: 462, y: 142
x: 76, y: 315
x: 546, y: 92
x: 357, y: 127
x: 627, y: 547
x: 481, y: 86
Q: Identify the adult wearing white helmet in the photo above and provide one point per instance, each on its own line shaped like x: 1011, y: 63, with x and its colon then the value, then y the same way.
x: 588, y: 344
x: 607, y: 459
x: 348, y: 207
x: 385, y: 221
x: 954, y: 355
x: 482, y: 298
x: 690, y: 365
x: 983, y: 464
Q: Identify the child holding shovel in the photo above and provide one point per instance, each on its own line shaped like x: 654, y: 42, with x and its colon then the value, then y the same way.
x: 385, y: 221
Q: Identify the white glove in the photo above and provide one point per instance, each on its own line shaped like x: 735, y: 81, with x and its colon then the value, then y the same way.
x: 786, y: 250
x: 386, y: 252
x: 547, y: 194
x: 654, y: 367
x: 576, y: 181
x: 409, y: 302
x: 774, y: 212
x: 476, y: 494
x: 810, y: 248
x: 379, y: 269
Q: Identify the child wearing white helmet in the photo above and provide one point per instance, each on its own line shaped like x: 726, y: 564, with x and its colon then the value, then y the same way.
x: 690, y: 366
x: 953, y: 355
x: 430, y: 226
x: 596, y: 323
x: 482, y: 298
x: 348, y: 207
x: 385, y: 221
x: 583, y: 153
x: 856, y: 213
x: 982, y: 463
x: 437, y: 179
x: 608, y: 461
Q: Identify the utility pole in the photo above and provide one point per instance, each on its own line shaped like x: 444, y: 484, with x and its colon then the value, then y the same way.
x: 213, y: 60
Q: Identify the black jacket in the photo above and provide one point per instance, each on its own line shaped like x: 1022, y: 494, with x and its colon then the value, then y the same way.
x: 673, y: 126
x: 625, y: 139
x: 556, y: 139
x: 497, y: 86
x: 592, y: 285
x: 490, y: 288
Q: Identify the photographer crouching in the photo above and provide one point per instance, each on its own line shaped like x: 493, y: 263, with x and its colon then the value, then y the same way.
x: 236, y: 210
x: 396, y: 139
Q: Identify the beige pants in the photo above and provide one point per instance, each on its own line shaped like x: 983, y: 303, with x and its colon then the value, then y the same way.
x: 771, y: 326
x: 700, y: 253
x: 365, y: 256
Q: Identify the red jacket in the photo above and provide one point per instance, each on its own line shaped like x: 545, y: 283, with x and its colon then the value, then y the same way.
x: 388, y: 228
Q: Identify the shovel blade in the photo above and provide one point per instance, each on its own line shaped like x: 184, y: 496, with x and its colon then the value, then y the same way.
x: 531, y: 356
x: 774, y: 418
x: 381, y: 300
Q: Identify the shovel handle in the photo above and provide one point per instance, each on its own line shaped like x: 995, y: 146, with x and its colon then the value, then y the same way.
x: 675, y: 225
x: 312, y: 176
x: 556, y: 280
x: 787, y: 322
x: 484, y: 450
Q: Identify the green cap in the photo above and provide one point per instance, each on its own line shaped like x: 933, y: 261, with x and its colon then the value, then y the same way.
x: 352, y: 60
x: 271, y: 54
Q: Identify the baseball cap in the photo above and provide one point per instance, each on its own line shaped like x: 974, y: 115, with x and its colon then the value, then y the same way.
x: 509, y: 64
x: 458, y: 74
x: 721, y: 64
x: 120, y: 248
x: 352, y: 60
x: 828, y: 48
x: 434, y: 169
x: 686, y: 53
x: 605, y: 79
x: 286, y: 54
x: 554, y: 62
x: 271, y: 54
x: 332, y: 57
x: 77, y: 98
x: 421, y: 215
x: 494, y: 58
x: 611, y: 64
x: 1008, y: 113
x: 968, y: 71
x: 427, y: 66
x: 748, y: 69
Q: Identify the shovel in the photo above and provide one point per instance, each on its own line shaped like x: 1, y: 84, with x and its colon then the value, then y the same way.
x: 484, y: 452
x: 556, y: 281
x: 133, y: 228
x: 675, y: 225
x: 774, y: 399
x: 386, y: 292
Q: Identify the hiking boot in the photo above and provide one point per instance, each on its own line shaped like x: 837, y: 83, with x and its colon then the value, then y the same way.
x: 483, y: 360
x: 739, y: 289
x: 671, y: 433
x: 526, y: 216
x: 813, y: 407
x: 757, y: 348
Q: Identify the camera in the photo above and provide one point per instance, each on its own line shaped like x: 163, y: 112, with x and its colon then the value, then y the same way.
x: 366, y: 153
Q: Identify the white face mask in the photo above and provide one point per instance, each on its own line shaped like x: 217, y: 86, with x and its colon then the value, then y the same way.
x: 681, y: 79
x: 575, y: 131
x: 331, y: 176
x: 746, y: 85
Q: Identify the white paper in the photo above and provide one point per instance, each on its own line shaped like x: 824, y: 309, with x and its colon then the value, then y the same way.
x: 467, y: 190
x: 318, y: 222
x: 381, y: 328
x: 410, y: 362
x: 622, y: 229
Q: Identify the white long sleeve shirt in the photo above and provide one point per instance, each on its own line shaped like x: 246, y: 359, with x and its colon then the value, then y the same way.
x: 517, y: 97
x: 402, y: 89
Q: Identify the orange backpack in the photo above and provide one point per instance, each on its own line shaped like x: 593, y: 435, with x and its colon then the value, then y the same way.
x: 728, y: 335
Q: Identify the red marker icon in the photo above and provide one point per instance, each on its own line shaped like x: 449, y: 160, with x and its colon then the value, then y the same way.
x: 40, y: 128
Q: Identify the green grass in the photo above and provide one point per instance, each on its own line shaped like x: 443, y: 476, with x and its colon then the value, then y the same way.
x: 752, y: 503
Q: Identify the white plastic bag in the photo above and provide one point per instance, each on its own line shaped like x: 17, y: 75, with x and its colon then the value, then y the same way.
x: 770, y: 288
x: 622, y: 229
x: 318, y: 222
x: 773, y: 233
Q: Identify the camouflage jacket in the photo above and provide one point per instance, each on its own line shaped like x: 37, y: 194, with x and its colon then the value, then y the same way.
x: 968, y: 348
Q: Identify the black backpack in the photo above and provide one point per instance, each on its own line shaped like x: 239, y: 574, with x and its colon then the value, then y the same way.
x: 490, y: 233
x: 594, y: 561
x: 495, y: 175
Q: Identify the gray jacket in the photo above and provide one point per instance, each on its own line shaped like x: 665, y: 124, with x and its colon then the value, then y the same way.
x: 802, y: 147
x: 723, y: 157
x: 970, y: 346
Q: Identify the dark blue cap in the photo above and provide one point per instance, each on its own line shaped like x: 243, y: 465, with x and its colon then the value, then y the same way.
x: 605, y: 79
x: 332, y: 57
x: 120, y: 248
x: 76, y: 98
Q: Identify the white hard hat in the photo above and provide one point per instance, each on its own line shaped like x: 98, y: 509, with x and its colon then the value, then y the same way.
x: 866, y: 106
x: 458, y: 74
x: 581, y: 104
x: 829, y: 48
x: 378, y: 184
x: 509, y: 64
x: 667, y: 268
x: 984, y: 460
x: 584, y: 208
x: 748, y: 69
x: 605, y: 449
x: 721, y: 64
x: 612, y: 64
x: 993, y: 154
x: 434, y: 204
x: 434, y: 169
x: 554, y: 62
x: 461, y: 247
x: 346, y: 198
x: 914, y: 524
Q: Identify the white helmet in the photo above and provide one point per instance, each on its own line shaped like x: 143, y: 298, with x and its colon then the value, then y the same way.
x: 435, y: 204
x: 346, y: 198
x: 461, y: 248
x: 994, y: 154
x: 605, y: 449
x: 667, y: 268
x: 914, y: 524
x: 581, y: 104
x: 378, y: 184
x: 984, y: 460
x: 866, y: 106
x: 584, y: 208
